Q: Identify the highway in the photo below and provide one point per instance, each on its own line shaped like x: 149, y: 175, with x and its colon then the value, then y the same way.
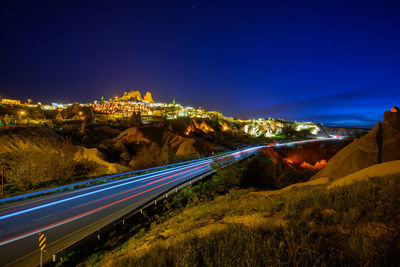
x: 67, y: 217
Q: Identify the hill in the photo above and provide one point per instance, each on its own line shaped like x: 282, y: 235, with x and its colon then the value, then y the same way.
x: 348, y: 214
x: 381, y: 144
x: 38, y: 157
x: 312, y: 223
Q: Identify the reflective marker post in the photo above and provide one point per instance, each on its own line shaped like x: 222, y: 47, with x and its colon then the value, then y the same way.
x: 42, y: 246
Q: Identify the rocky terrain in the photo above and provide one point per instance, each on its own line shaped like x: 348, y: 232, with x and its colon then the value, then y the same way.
x: 381, y: 144
x: 136, y: 96
x: 344, y: 131
x: 347, y: 214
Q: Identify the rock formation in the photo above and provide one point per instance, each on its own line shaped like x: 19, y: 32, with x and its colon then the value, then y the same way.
x: 381, y: 144
x: 135, y: 120
x: 391, y: 135
x: 130, y: 135
x: 148, y: 98
x: 131, y: 96
x: 59, y: 117
x: 200, y: 127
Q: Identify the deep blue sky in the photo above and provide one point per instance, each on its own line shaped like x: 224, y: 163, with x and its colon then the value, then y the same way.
x: 336, y: 62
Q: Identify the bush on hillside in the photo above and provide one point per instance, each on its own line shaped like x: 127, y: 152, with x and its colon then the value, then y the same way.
x: 45, y: 160
x: 40, y: 161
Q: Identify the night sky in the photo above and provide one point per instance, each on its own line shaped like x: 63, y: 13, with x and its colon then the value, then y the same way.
x: 335, y: 62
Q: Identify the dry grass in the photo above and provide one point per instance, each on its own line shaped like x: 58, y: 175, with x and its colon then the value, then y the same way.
x: 357, y: 224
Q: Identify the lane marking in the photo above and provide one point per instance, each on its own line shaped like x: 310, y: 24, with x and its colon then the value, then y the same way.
x: 73, y: 218
x: 72, y: 198
x: 190, y: 163
x: 133, y: 189
x: 12, y: 209
x: 80, y: 229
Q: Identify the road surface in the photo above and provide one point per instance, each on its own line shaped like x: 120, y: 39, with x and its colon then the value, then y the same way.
x: 69, y: 216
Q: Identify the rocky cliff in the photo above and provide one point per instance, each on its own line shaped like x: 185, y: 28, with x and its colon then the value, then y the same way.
x: 131, y: 96
x: 381, y: 144
x: 148, y: 98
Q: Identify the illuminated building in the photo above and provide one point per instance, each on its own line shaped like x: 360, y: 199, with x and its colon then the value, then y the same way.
x: 121, y: 108
x: 10, y: 102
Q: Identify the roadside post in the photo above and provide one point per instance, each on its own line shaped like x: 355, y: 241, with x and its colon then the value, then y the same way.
x: 42, y: 246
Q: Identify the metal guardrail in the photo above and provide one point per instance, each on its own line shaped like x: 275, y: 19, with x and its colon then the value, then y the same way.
x: 163, y: 195
x: 99, y: 179
x: 114, y: 176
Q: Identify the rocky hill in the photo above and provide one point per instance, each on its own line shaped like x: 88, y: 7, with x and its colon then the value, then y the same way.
x: 381, y: 144
x: 135, y: 95
x: 344, y: 131
x: 158, y: 146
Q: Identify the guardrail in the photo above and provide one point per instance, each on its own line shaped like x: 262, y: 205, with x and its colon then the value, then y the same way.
x: 121, y: 175
x: 153, y: 201
x: 100, y: 179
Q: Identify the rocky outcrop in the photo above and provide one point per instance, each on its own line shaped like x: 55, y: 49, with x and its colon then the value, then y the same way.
x: 93, y: 154
x: 131, y: 135
x: 199, y: 127
x: 148, y: 98
x: 381, y: 144
x: 186, y: 147
x: 88, y: 118
x: 131, y: 96
x: 183, y: 145
x: 59, y: 117
x: 136, y: 120
x: 391, y: 135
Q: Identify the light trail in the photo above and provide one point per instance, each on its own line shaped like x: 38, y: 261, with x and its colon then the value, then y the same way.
x: 75, y: 197
x: 53, y: 225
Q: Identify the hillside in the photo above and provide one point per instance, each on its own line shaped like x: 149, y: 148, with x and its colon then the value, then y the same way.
x: 38, y: 157
x: 381, y: 144
x: 311, y: 223
x: 348, y: 214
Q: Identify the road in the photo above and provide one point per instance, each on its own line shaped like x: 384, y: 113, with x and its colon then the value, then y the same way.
x: 69, y: 216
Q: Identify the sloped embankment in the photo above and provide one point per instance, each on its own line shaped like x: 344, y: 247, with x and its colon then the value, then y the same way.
x: 305, y: 224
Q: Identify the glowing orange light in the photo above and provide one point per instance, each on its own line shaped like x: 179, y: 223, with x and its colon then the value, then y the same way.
x: 317, y: 166
x: 289, y: 161
x: 225, y: 127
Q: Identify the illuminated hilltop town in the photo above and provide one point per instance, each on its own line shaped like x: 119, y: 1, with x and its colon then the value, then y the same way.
x: 131, y: 106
